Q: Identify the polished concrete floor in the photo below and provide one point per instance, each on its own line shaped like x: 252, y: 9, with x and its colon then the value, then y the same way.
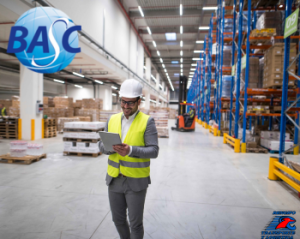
x: 200, y: 189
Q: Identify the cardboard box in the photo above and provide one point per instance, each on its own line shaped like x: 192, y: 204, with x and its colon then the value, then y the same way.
x: 63, y: 102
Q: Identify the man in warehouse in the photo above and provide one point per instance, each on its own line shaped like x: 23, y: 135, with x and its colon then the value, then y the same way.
x: 128, y: 172
x: 2, y: 110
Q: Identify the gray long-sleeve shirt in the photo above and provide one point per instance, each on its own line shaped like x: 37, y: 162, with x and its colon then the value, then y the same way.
x: 150, y: 150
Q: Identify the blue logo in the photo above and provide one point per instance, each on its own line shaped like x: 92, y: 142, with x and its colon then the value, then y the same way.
x: 44, y: 39
x: 280, y: 227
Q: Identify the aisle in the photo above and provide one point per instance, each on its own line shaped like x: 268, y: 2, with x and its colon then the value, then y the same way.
x: 200, y: 189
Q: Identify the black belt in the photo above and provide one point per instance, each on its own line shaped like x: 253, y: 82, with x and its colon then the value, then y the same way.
x: 121, y: 175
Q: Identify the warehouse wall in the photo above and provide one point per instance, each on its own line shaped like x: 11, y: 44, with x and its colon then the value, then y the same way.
x: 108, y: 25
x: 103, y: 92
x: 11, y: 81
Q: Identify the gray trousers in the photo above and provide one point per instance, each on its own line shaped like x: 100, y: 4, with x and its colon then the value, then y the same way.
x: 122, y: 197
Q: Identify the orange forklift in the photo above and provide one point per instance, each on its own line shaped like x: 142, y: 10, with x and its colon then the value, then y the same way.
x: 185, y: 121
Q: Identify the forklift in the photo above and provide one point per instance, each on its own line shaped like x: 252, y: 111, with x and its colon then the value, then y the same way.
x: 185, y: 121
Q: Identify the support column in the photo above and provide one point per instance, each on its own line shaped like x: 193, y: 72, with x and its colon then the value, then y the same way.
x: 31, y: 91
x: 163, y: 86
x: 147, y: 100
x: 148, y: 69
x: 157, y: 102
x: 157, y: 81
x: 105, y: 93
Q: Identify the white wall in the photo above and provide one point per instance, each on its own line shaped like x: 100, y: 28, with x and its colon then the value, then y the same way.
x: 78, y: 94
x: 105, y: 93
x: 106, y: 23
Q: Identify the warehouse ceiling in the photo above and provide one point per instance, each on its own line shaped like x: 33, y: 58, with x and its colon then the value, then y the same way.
x: 163, y: 16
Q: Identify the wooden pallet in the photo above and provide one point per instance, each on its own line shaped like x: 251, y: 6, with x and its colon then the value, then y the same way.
x: 50, y: 129
x: 257, y: 150
x: 82, y: 130
x: 258, y: 111
x: 163, y: 136
x: 81, y: 140
x: 49, y: 122
x: 50, y: 134
x: 81, y: 154
x: 6, y: 158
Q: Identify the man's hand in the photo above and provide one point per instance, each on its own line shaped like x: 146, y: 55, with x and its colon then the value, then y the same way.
x: 122, y: 149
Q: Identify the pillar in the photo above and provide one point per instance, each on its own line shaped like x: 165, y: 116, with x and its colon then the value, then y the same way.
x: 163, y: 86
x: 157, y: 102
x: 148, y: 69
x: 105, y: 93
x: 31, y: 91
x: 147, y: 100
x: 157, y: 81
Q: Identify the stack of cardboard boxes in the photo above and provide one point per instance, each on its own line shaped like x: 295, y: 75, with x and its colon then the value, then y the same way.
x: 63, y: 107
x: 270, y: 140
x: 90, y: 107
x: 253, y: 78
x: 161, y: 121
x: 106, y: 114
x: 273, y: 65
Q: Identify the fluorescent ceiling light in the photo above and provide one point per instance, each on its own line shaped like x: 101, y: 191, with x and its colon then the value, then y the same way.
x: 180, y: 9
x: 165, y: 70
x: 160, y: 86
x: 114, y: 94
x: 174, y: 62
x: 181, y: 53
x: 114, y: 87
x: 77, y: 74
x: 78, y: 86
x: 163, y: 65
x: 181, y: 65
x: 197, y: 59
x: 193, y: 69
x: 141, y: 11
x: 280, y: 5
x: 210, y: 8
x: 158, y: 53
x: 154, y: 43
x: 181, y: 60
x: 59, y: 81
x: 199, y: 42
x: 181, y: 70
x: 181, y: 74
x: 198, y: 51
x: 161, y: 60
x: 149, y: 31
x: 181, y: 43
x: 170, y: 36
x: 99, y: 82
x: 153, y: 78
x: 145, y: 67
x: 203, y: 28
x: 181, y: 29
x: 194, y: 64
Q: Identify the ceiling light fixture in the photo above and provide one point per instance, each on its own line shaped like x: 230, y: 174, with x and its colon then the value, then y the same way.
x: 154, y: 43
x: 181, y: 29
x: 181, y: 66
x: 197, y: 59
x: 114, y: 94
x: 209, y: 8
x: 145, y: 67
x: 170, y: 36
x: 165, y: 70
x: 181, y: 53
x: 78, y: 86
x: 203, y: 28
x: 181, y: 43
x: 59, y: 81
x: 141, y: 11
x: 77, y: 74
x: 199, y: 42
x: 114, y: 87
x: 180, y: 9
x: 161, y: 60
x: 158, y: 53
x: 194, y: 64
x: 149, y: 31
x: 198, y: 51
x: 99, y: 82
x: 181, y: 60
x: 163, y: 65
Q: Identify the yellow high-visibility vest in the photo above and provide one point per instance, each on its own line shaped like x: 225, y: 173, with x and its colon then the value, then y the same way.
x: 130, y: 167
x: 3, y: 111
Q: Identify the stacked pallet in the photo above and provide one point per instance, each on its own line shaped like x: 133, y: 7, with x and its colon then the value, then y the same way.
x: 50, y: 128
x: 9, y: 127
x: 270, y: 140
x: 82, y: 138
x: 106, y: 114
x: 161, y: 121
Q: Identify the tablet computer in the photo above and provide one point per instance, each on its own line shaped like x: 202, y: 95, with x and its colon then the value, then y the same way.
x: 109, y: 139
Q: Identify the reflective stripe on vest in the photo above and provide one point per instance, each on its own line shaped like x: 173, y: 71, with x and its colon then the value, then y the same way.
x: 131, y: 167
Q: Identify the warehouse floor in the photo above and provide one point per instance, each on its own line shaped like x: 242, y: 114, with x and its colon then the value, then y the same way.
x: 200, y: 189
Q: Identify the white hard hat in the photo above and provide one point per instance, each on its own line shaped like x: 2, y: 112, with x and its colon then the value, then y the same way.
x: 131, y: 89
